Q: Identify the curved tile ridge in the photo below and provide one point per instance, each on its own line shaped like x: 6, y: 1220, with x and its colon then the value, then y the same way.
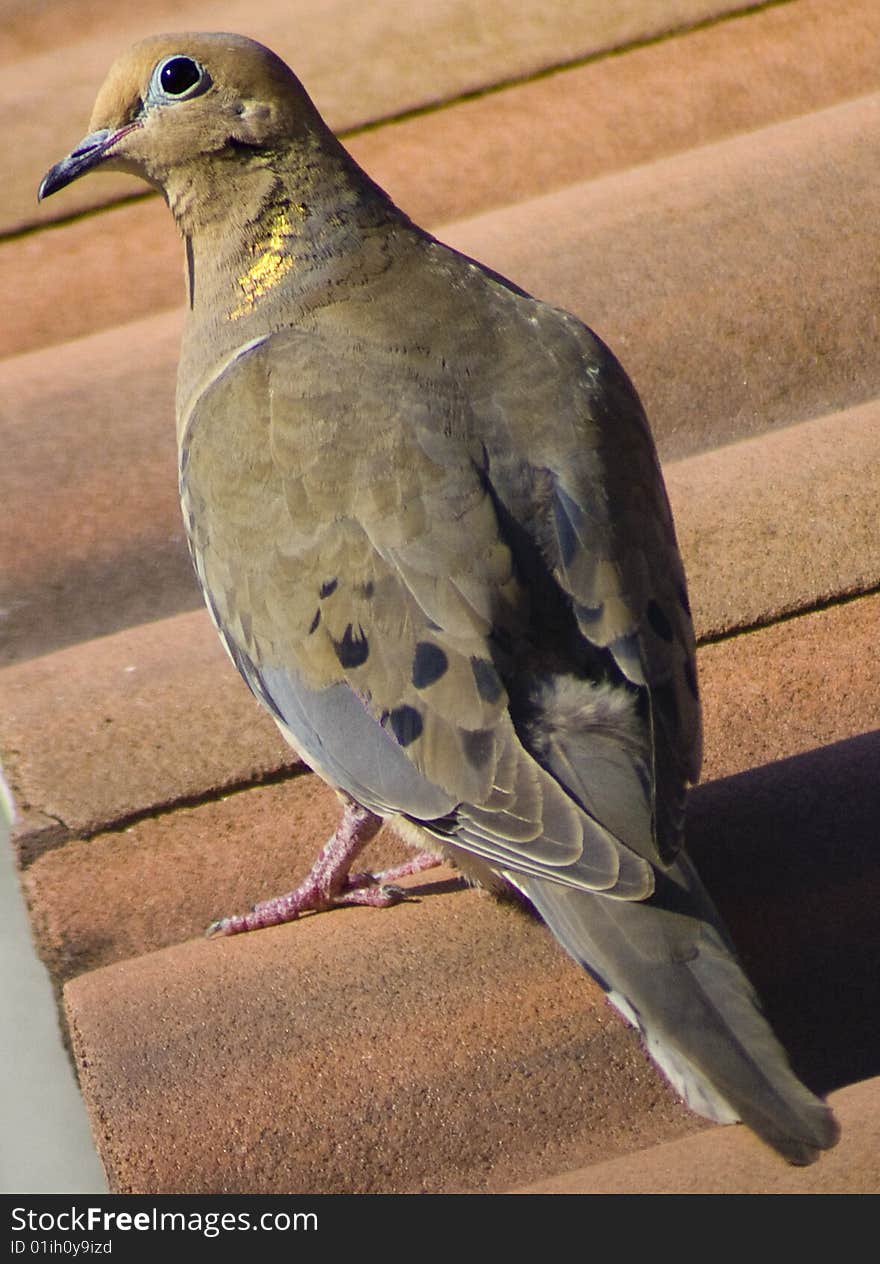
x: 95, y: 735
x: 490, y: 151
x: 447, y: 1043
x: 775, y: 523
x: 361, y: 64
x: 199, y: 860
x: 768, y: 526
x: 782, y: 522
x: 737, y: 282
x: 722, y: 1161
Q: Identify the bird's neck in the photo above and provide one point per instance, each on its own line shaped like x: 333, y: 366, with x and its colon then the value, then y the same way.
x: 270, y: 240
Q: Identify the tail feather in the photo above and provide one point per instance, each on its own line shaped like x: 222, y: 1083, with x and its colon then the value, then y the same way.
x: 668, y: 966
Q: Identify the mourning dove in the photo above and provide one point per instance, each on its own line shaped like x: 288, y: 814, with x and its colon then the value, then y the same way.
x: 430, y: 526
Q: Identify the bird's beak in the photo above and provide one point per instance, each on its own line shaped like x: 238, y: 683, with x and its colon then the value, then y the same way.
x: 89, y: 153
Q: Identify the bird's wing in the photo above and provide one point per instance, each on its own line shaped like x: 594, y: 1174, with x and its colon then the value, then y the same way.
x: 352, y: 555
x: 593, y: 490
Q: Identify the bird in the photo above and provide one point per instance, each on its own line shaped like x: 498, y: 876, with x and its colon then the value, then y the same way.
x: 429, y: 522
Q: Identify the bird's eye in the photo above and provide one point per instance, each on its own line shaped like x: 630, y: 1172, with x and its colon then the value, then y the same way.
x: 178, y: 77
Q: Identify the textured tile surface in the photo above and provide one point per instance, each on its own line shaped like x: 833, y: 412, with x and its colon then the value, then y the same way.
x: 780, y: 523
x: 538, y: 1066
x: 723, y: 1161
x: 501, y: 147
x: 99, y: 732
x: 693, y: 269
x: 394, y: 56
x: 706, y: 201
x: 710, y: 316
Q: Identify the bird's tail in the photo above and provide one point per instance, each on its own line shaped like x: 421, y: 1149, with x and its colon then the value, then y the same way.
x: 667, y: 965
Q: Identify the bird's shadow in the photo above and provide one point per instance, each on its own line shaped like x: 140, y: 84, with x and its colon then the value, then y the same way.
x: 789, y: 853
x: 442, y: 886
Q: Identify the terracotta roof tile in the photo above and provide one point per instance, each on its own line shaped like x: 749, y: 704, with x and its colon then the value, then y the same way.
x: 792, y: 868
x: 99, y: 732
x: 691, y: 267
x: 706, y: 202
x: 723, y: 1161
x: 392, y: 59
x: 694, y: 269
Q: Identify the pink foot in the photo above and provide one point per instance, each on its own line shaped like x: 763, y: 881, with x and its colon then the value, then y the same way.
x: 331, y: 883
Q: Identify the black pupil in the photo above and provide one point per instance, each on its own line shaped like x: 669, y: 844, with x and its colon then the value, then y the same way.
x: 179, y: 75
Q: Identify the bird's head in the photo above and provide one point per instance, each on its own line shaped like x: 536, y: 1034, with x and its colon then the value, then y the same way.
x: 174, y: 100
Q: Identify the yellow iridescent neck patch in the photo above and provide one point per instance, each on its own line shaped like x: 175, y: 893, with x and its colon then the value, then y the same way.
x: 273, y: 258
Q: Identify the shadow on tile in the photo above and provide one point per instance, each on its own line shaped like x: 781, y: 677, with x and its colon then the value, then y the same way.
x: 789, y: 852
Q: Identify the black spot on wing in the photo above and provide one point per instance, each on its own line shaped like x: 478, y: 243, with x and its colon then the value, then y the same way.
x: 658, y: 621
x: 479, y: 745
x: 406, y: 724
x: 317, y: 619
x: 329, y: 587
x: 487, y: 680
x: 429, y: 664
x: 353, y: 649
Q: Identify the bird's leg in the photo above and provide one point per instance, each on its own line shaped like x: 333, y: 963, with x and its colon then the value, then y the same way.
x: 331, y: 882
x: 416, y: 864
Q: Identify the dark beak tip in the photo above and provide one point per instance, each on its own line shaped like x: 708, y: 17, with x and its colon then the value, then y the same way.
x: 84, y: 158
x: 51, y: 182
